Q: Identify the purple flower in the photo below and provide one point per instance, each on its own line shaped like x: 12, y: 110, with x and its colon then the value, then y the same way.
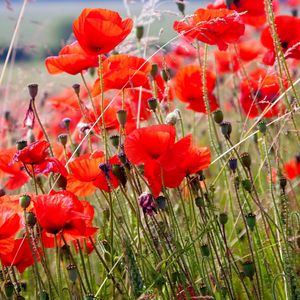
x: 147, y: 202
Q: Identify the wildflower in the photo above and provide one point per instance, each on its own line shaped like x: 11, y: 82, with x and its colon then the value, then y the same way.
x: 292, y: 168
x: 289, y: 39
x: 123, y: 71
x: 72, y: 59
x: 99, y: 31
x: 189, y: 88
x: 212, y: 26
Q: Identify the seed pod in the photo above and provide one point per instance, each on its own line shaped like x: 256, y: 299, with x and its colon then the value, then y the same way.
x: 152, y: 104
x: 181, y: 6
x: 165, y: 75
x: 232, y: 164
x: 66, y: 122
x: 262, y: 127
x: 122, y: 117
x: 76, y: 88
x: 246, y: 159
x: 204, y: 250
x: 251, y: 221
x: 154, y: 70
x: 226, y: 129
x: 249, y: 269
x: 218, y: 116
x: 72, y: 271
x: 30, y: 219
x: 63, y: 139
x: 21, y: 144
x: 33, y: 90
x: 282, y: 182
x: 199, y: 202
x: 139, y: 32
x: 223, y: 218
x: 115, y: 140
x: 246, y: 184
x: 161, y: 202
x: 24, y: 201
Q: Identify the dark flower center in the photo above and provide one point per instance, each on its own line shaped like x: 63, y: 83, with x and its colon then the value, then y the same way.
x: 284, y: 45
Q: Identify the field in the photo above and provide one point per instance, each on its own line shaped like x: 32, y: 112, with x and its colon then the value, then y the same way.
x: 149, y: 150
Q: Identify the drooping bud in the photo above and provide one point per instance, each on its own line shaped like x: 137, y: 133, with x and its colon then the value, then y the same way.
x: 251, y: 221
x: 226, y: 129
x: 63, y: 139
x: 139, y: 32
x: 152, y: 104
x: 199, y: 202
x: 246, y: 159
x: 218, y: 116
x: 262, y: 127
x: 223, y: 218
x: 122, y: 117
x: 21, y: 144
x: 24, y: 201
x: 76, y: 88
x: 204, y: 250
x: 165, y: 75
x: 33, y: 90
x: 154, y: 70
x: 246, y: 183
x: 147, y: 202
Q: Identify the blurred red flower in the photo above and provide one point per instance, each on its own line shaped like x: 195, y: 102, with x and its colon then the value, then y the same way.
x: 212, y: 26
x: 289, y: 39
x: 265, y: 88
x: 72, y: 59
x: 189, y: 88
x: 9, y: 226
x: 292, y: 168
x: 227, y: 62
x: 99, y: 31
x: 86, y: 175
x: 21, y: 256
x: 123, y: 71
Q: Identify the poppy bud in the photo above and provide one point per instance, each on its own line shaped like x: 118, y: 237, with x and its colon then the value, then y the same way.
x: 115, y: 140
x: 223, y: 218
x: 181, y: 6
x: 249, y: 269
x: 262, y: 127
x: 9, y: 289
x: 165, y: 75
x: 139, y: 32
x: 161, y: 202
x: 89, y: 297
x: 63, y: 139
x: 246, y: 159
x: 233, y: 164
x: 33, y: 90
x: 152, y: 103
x: 251, y: 221
x: 76, y: 88
x: 282, y: 182
x: 146, y: 201
x: 226, y: 129
x: 154, y: 70
x: 30, y: 219
x: 246, y: 183
x: 199, y: 201
x: 218, y: 116
x: 24, y: 201
x: 205, y: 250
x: 229, y: 3
x: 21, y: 145
x: 122, y: 117
x: 172, y: 118
x: 66, y: 123
x: 72, y: 271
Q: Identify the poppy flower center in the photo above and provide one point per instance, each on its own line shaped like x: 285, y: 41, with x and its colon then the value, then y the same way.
x: 284, y: 45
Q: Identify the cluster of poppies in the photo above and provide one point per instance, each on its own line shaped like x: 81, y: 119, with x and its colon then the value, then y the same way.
x: 130, y: 91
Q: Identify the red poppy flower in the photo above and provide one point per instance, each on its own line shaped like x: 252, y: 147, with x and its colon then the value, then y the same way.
x: 226, y: 62
x: 17, y: 176
x: 100, y: 30
x: 123, y: 71
x: 155, y: 147
x: 59, y: 211
x: 249, y: 50
x: 254, y: 11
x: 292, y: 168
x: 86, y: 175
x: 21, y: 256
x: 189, y: 89
x: 213, y: 26
x: 289, y: 39
x: 9, y: 226
x: 266, y: 90
x: 71, y: 59
x: 195, y: 160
